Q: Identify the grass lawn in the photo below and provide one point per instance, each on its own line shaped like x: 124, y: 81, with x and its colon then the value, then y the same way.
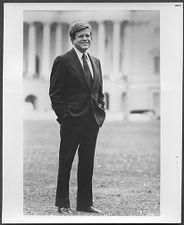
x: 126, y: 179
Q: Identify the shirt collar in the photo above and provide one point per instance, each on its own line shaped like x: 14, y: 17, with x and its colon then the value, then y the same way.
x: 79, y: 54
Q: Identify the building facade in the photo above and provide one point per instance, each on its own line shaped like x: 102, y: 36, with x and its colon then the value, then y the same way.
x: 126, y: 42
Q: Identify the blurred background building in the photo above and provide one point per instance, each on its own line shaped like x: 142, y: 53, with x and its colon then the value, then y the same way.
x: 127, y: 44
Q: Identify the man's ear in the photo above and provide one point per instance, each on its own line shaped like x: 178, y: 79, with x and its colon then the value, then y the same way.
x: 72, y: 40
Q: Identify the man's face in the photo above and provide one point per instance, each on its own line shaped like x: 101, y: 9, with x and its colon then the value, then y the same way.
x: 82, y: 40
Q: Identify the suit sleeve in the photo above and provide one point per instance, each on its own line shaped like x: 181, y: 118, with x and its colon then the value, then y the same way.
x: 100, y: 91
x: 56, y: 90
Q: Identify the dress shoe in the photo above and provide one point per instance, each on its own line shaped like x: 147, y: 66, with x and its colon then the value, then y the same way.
x: 89, y: 209
x: 64, y: 210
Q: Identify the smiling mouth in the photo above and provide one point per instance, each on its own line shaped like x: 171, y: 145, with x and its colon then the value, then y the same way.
x: 85, y: 44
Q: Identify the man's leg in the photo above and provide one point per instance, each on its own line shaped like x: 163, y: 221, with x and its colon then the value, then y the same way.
x: 69, y: 142
x: 86, y: 163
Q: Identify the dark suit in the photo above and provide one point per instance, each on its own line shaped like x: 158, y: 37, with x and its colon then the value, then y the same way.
x: 80, y: 111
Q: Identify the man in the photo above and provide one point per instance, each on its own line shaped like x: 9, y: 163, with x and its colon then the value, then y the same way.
x: 77, y: 98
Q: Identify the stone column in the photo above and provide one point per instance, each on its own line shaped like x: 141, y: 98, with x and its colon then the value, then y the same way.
x: 101, y: 42
x: 116, y: 51
x: 58, y: 46
x: 116, y: 85
x: 127, y: 62
x: 31, y: 70
x: 45, y: 67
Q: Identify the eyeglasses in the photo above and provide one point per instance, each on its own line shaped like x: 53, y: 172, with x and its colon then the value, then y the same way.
x: 87, y: 36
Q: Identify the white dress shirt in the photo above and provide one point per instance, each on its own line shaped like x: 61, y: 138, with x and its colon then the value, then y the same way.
x: 79, y: 54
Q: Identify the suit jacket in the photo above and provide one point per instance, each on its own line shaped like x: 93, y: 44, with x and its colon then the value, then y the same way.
x: 69, y: 91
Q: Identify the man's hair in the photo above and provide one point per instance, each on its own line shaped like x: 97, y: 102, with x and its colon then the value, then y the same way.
x: 78, y: 26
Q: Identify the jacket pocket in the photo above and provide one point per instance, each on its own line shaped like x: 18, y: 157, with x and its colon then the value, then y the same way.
x: 73, y: 105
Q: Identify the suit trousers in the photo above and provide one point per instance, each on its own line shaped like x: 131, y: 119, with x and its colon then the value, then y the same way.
x: 77, y: 133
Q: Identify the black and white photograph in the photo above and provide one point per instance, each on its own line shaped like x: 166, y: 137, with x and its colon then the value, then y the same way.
x: 92, y: 112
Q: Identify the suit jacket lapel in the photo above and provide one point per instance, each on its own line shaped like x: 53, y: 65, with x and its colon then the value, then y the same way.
x: 95, y: 72
x: 75, y: 63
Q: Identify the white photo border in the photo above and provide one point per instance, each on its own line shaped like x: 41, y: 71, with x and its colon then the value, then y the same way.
x: 171, y: 43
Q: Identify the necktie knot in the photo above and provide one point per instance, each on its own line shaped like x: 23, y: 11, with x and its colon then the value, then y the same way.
x: 84, y: 57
